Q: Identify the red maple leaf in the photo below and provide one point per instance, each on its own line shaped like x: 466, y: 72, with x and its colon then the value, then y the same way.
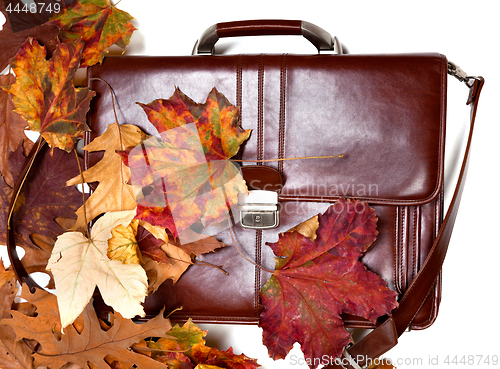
x: 316, y: 281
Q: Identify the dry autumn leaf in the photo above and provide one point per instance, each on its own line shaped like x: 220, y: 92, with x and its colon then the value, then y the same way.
x: 113, y: 192
x: 87, y: 344
x: 44, y: 93
x: 187, y: 342
x: 321, y: 279
x: 161, y: 260
x: 98, y: 23
x: 80, y: 264
x: 8, y: 290
x: 12, y: 127
x: 187, y: 171
x: 123, y: 246
x: 43, y: 197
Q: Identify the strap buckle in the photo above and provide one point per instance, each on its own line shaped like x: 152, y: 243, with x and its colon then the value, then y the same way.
x: 350, y: 359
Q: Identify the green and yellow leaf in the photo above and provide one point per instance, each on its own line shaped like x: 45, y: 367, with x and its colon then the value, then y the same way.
x: 98, y: 23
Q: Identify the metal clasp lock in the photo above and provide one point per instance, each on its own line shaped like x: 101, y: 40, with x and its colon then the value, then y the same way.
x: 258, y: 209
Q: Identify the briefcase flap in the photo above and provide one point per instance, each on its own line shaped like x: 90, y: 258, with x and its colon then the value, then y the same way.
x: 384, y: 113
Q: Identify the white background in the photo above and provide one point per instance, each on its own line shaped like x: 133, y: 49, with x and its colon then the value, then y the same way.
x: 467, y: 33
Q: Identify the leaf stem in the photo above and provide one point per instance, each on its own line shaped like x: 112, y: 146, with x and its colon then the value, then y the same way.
x: 201, y: 262
x: 114, y: 107
x: 83, y: 192
x: 283, y: 159
x: 245, y: 257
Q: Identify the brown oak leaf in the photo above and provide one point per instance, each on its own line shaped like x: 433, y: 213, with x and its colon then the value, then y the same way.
x: 8, y: 290
x: 321, y: 279
x: 16, y: 161
x: 90, y: 345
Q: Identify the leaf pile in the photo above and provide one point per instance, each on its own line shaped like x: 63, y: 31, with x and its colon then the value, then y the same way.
x: 31, y: 337
x: 321, y: 279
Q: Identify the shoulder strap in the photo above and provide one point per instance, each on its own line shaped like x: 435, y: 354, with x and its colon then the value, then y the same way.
x: 385, y: 336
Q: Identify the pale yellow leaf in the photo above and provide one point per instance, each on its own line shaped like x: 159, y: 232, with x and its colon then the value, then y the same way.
x: 79, y: 264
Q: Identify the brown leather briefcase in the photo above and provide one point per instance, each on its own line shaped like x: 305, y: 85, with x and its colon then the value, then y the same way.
x: 385, y: 113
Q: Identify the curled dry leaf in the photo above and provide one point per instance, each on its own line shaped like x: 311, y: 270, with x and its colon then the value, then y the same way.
x: 98, y: 23
x: 308, y: 228
x: 321, y: 279
x: 79, y: 264
x: 44, y: 94
x: 123, y: 246
x: 161, y: 260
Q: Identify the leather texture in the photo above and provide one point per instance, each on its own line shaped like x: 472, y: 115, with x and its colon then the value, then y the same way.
x: 384, y: 113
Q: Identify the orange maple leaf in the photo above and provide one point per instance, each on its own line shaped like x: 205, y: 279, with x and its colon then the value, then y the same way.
x: 187, y: 177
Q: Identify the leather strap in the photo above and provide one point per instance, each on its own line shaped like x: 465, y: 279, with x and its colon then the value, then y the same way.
x: 385, y: 337
x: 320, y: 38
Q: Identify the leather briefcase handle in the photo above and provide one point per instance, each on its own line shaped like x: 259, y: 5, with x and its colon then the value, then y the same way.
x: 320, y: 38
